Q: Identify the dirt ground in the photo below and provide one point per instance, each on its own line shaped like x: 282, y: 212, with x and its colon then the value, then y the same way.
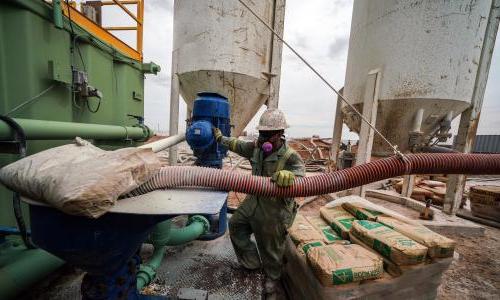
x: 476, y: 274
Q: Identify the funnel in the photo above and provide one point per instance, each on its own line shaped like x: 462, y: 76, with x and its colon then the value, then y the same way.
x: 106, y: 247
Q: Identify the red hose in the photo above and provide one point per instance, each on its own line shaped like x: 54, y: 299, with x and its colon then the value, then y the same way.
x: 435, y: 163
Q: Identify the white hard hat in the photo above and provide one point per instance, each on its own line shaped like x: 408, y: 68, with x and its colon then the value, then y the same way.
x: 272, y: 119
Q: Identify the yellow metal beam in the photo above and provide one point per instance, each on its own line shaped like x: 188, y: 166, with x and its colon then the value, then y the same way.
x: 111, y: 28
x: 75, y: 16
x: 125, y: 9
x: 140, y: 15
x: 111, y: 2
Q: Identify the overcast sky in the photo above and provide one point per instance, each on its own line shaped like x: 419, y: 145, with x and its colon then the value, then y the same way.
x: 319, y: 29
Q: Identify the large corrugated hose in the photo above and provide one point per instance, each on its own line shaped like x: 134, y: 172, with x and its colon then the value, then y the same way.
x: 429, y: 163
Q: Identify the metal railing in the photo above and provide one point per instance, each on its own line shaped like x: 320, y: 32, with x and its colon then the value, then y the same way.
x: 138, y: 18
x: 93, y: 25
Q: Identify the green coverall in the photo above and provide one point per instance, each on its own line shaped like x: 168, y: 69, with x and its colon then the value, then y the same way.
x: 267, y: 218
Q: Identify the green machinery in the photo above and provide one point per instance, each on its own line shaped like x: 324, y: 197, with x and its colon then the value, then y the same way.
x: 61, y: 75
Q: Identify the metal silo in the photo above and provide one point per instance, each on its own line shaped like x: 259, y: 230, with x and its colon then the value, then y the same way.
x: 220, y: 47
x: 426, y: 56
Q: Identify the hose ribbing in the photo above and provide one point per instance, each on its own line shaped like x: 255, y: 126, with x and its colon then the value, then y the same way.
x: 435, y: 163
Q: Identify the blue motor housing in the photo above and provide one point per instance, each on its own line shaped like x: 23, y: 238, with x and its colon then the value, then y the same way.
x: 209, y: 110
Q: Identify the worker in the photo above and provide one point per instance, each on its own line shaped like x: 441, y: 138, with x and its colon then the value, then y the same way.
x: 268, y: 218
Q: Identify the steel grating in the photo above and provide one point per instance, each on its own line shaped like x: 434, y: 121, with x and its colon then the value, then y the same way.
x: 209, y: 266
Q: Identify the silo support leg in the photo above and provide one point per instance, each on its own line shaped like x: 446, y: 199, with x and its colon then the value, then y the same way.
x: 173, y: 127
x: 469, y: 119
x: 366, y: 133
x: 337, y: 133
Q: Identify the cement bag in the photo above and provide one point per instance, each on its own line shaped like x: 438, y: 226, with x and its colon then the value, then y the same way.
x: 360, y: 212
x: 439, y: 246
x: 339, y: 219
x: 304, y: 247
x: 339, y: 264
x: 80, y: 179
x: 393, y: 245
x: 302, y: 231
x: 329, y: 235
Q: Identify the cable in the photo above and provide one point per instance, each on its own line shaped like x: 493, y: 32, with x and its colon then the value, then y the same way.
x: 69, y: 17
x: 75, y: 45
x: 394, y: 147
x: 19, y: 136
x: 97, y: 108
x: 30, y: 100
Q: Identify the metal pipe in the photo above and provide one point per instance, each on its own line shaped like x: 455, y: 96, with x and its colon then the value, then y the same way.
x: 417, y: 122
x: 28, y: 268
x: 165, y: 235
x: 191, y: 232
x: 436, y: 149
x: 54, y: 130
x: 57, y: 13
x: 326, y: 183
x: 173, y: 126
x: 165, y: 143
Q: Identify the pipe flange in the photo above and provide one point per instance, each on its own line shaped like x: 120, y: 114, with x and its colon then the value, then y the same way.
x: 200, y: 219
x: 146, y: 273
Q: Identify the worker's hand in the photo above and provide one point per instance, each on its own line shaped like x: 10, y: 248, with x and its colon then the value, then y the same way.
x: 217, y: 134
x: 283, y: 178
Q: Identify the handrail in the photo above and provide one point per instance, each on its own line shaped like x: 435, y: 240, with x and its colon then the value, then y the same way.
x: 105, y: 32
x: 125, y: 9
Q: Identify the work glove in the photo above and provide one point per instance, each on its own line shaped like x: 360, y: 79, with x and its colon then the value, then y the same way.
x: 283, y: 178
x: 217, y: 134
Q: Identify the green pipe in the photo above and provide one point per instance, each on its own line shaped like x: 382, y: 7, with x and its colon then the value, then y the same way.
x: 28, y: 268
x: 198, y: 225
x: 58, y: 19
x: 164, y: 235
x: 55, y: 130
x: 147, y: 271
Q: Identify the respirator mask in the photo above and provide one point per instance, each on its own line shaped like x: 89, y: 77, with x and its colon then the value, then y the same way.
x: 267, y: 140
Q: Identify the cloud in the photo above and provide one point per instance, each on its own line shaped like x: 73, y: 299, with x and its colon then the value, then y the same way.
x: 154, y: 5
x: 339, y: 46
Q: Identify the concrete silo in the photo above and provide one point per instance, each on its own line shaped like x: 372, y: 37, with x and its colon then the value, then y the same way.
x: 221, y: 47
x: 425, y: 55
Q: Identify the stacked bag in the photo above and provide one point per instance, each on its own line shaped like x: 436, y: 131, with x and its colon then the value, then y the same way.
x: 378, y: 235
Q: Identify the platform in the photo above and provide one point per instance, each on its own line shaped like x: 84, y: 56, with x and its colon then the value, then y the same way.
x: 418, y: 282
x: 441, y: 222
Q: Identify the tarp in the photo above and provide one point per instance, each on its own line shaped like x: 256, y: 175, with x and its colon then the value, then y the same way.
x: 79, y: 178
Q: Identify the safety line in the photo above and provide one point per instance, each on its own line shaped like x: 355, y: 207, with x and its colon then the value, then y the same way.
x: 394, y: 147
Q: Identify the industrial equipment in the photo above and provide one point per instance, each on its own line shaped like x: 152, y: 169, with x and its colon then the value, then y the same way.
x: 209, y: 110
x: 80, y: 80
x: 420, y: 71
x: 71, y: 77
x: 226, y: 51
x: 68, y: 76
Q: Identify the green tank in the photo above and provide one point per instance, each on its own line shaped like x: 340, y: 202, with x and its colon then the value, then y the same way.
x: 59, y: 80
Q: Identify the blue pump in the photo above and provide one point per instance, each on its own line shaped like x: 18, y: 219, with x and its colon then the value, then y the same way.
x: 210, y: 110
